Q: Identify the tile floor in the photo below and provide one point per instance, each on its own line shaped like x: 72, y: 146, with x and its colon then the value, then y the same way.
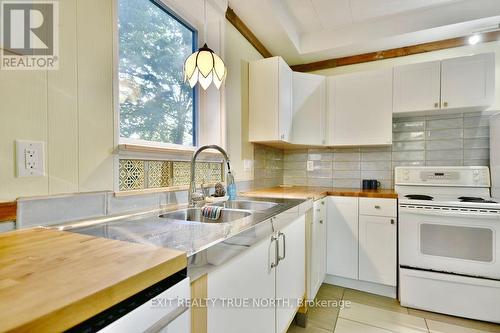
x: 368, y: 313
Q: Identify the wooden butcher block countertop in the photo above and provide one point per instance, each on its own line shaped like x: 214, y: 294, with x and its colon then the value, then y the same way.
x: 51, y: 280
x: 318, y: 192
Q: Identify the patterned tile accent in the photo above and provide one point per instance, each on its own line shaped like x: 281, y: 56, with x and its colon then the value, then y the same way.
x: 182, y: 173
x: 159, y: 174
x: 141, y: 174
x: 132, y: 175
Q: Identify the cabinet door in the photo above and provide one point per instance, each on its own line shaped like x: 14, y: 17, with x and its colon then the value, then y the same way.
x: 318, y: 249
x: 270, y: 100
x: 248, y: 275
x: 290, y: 273
x: 360, y: 108
x: 308, y: 116
x: 377, y: 249
x: 285, y: 101
x: 468, y: 82
x: 342, y: 237
x: 417, y: 87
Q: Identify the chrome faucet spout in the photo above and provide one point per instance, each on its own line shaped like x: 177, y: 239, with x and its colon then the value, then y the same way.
x: 195, y: 198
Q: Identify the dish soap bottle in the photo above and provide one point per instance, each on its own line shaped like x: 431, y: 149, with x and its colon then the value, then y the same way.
x: 231, y: 186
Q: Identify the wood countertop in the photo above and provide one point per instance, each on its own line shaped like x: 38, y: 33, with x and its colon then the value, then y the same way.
x: 51, y: 280
x: 318, y: 192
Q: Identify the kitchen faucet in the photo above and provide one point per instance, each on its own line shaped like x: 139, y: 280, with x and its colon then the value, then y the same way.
x: 196, y: 198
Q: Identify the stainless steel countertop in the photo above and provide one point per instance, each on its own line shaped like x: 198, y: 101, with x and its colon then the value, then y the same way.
x: 200, y: 241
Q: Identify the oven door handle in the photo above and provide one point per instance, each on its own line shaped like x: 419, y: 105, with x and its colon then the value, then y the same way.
x: 455, y: 213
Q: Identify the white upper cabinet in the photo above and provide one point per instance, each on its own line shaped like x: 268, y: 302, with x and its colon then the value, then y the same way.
x: 456, y: 84
x: 360, y: 108
x: 468, y: 82
x: 270, y: 100
x: 309, y: 109
x: 417, y: 87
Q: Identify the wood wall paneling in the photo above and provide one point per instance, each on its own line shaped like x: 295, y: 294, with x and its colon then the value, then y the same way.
x: 23, y: 116
x: 95, y: 94
x: 62, y: 157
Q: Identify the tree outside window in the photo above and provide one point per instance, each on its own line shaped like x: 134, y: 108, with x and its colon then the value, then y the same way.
x: 155, y: 103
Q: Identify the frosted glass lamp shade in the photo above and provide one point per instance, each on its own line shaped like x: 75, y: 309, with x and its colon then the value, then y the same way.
x: 205, y: 67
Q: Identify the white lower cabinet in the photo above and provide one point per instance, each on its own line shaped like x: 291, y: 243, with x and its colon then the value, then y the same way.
x: 362, y: 243
x: 342, y: 236
x: 377, y: 249
x: 253, y: 275
x: 291, y: 272
x: 317, y: 249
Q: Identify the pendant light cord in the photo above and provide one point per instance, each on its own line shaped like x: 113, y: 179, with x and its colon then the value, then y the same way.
x: 205, y: 21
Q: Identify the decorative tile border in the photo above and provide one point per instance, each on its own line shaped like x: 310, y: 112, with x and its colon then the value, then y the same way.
x: 145, y: 174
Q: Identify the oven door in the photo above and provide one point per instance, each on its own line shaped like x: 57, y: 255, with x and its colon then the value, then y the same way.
x: 450, y: 240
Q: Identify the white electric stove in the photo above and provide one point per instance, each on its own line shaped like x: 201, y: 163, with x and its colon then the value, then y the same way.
x: 449, y: 241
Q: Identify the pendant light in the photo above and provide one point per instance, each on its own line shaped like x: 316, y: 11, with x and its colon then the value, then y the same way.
x: 204, y: 66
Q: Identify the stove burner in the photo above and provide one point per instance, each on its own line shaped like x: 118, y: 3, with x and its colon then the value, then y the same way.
x: 419, y: 197
x: 475, y: 199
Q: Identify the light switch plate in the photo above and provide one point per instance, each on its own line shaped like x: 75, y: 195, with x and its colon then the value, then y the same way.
x: 310, y: 165
x: 247, y: 165
x: 30, y: 158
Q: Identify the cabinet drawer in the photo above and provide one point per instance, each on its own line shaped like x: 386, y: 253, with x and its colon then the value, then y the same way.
x: 378, y: 207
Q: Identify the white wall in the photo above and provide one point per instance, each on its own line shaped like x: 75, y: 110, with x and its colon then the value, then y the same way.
x: 70, y: 109
x: 423, y: 57
x: 239, y: 52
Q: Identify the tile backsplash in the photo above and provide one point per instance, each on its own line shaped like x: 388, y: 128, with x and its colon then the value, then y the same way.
x: 268, y: 166
x: 446, y: 140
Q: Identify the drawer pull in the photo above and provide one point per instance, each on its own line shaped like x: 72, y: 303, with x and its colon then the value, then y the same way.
x: 377, y: 207
x: 392, y: 221
x: 321, y: 221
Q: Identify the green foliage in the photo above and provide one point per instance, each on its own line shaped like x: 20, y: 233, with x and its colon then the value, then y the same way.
x: 155, y: 103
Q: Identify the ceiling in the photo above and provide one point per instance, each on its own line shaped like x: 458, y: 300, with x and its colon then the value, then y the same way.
x: 304, y: 31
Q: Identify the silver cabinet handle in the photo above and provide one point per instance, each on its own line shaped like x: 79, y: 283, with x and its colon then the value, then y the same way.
x: 276, y: 253
x: 283, y: 236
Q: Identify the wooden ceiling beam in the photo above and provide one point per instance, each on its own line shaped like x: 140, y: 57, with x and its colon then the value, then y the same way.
x: 394, y: 53
x: 247, y: 33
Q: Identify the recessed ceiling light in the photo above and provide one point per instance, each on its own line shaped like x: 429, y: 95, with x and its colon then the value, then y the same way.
x: 474, y: 39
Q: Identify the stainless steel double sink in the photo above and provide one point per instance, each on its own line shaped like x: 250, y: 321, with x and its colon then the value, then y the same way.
x: 233, y: 211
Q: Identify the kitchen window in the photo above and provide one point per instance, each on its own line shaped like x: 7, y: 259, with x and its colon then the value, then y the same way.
x: 155, y: 103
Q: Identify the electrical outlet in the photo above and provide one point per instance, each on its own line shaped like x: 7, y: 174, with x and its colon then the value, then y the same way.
x: 30, y: 158
x: 310, y: 165
x: 247, y: 165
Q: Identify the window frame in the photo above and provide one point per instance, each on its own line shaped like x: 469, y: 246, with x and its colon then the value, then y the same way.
x: 196, y: 105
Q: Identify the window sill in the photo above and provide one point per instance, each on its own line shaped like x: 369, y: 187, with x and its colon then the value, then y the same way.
x: 157, y: 190
x: 143, y: 149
